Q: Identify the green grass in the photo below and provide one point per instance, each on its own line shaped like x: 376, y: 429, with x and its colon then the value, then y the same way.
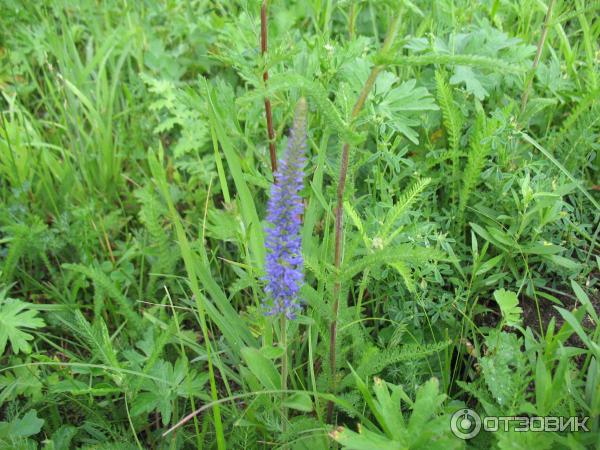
x: 134, y: 177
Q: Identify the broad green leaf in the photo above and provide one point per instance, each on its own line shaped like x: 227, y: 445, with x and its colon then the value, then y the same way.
x: 489, y: 264
x: 371, y: 403
x: 426, y: 404
x: 262, y: 368
x: 585, y: 300
x: 300, y: 401
x: 28, y: 425
x: 389, y: 406
x: 564, y: 262
x: 144, y: 403
x: 272, y: 352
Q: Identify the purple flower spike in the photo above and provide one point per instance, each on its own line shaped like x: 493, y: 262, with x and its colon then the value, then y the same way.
x: 284, y: 245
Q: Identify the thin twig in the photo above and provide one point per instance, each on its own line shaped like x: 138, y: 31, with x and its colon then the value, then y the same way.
x: 268, y: 113
x: 538, y: 54
x: 339, y: 232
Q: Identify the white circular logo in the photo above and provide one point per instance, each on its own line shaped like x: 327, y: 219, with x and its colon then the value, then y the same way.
x: 465, y: 424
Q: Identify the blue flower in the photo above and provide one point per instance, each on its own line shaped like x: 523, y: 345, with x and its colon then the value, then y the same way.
x: 284, y: 260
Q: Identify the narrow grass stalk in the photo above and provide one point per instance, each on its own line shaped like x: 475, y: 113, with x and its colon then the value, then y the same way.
x: 187, y: 378
x: 133, y: 432
x: 339, y: 232
x: 284, y: 369
x: 538, y: 54
x: 190, y: 264
x: 268, y: 112
x: 588, y: 44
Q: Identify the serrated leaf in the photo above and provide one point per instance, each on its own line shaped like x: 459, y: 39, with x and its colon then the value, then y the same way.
x: 61, y: 438
x: 14, y: 316
x: 405, y: 201
x: 144, y: 403
x: 397, y: 107
x: 403, y: 253
x: 509, y: 307
x: 404, y: 271
x: 28, y: 425
x: 504, y: 368
x: 495, y: 64
x: 464, y: 74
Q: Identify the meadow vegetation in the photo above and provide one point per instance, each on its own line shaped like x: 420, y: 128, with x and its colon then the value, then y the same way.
x: 448, y: 218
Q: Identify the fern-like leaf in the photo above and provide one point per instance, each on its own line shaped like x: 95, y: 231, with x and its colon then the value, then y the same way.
x: 403, y: 253
x: 480, y: 148
x: 97, y: 339
x: 166, y: 255
x: 405, y: 201
x: 101, y: 279
x: 406, y: 274
x: 374, y: 360
x: 453, y: 123
x: 356, y: 220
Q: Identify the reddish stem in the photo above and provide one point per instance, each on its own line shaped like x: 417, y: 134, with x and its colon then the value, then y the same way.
x: 269, y: 114
x: 339, y: 211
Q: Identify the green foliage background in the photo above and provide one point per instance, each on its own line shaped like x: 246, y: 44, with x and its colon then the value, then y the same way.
x: 134, y: 175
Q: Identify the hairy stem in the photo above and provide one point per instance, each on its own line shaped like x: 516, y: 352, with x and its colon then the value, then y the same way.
x: 538, y: 54
x: 339, y: 232
x: 268, y: 113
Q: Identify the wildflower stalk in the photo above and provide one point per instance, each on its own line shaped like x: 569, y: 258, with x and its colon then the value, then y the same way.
x: 268, y: 112
x: 339, y: 232
x: 284, y: 261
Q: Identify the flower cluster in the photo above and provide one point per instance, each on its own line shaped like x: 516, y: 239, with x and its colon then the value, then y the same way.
x: 284, y: 245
